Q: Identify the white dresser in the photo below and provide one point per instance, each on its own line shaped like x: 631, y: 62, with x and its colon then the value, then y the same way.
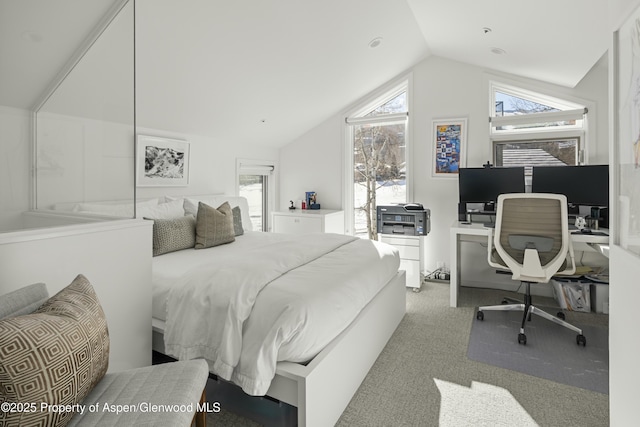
x: 299, y: 221
x: 411, y: 249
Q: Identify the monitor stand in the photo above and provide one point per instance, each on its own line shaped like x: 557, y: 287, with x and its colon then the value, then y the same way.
x: 573, y: 209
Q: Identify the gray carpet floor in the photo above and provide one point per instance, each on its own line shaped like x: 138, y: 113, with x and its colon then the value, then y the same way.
x: 423, y: 377
x: 551, y: 350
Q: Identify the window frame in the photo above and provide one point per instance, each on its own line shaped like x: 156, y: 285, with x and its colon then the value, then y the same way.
x: 267, y: 169
x: 568, y: 105
x: 357, y: 115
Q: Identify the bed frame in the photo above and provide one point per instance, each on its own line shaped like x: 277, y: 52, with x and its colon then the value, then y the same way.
x: 322, y: 389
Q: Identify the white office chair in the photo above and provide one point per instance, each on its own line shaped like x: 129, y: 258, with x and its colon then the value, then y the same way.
x: 531, y: 239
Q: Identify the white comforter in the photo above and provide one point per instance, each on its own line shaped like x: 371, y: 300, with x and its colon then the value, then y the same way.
x: 284, y: 298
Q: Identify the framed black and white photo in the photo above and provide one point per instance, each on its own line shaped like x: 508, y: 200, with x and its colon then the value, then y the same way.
x: 162, y: 162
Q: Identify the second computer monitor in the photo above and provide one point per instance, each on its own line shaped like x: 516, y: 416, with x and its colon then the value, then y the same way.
x: 586, y: 185
x: 484, y: 185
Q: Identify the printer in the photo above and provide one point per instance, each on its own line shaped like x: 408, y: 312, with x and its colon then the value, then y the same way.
x: 404, y: 219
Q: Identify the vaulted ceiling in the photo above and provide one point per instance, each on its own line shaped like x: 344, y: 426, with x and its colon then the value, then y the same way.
x: 267, y: 71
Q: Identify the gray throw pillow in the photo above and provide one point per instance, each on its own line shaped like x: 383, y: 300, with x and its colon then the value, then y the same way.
x: 214, y: 226
x: 237, y: 221
x: 170, y: 235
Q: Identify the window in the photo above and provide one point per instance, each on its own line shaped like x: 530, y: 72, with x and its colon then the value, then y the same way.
x: 255, y: 184
x: 530, y: 129
x: 378, y: 159
x: 529, y: 153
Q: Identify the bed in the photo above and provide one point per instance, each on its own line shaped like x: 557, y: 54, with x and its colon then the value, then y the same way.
x: 298, y: 318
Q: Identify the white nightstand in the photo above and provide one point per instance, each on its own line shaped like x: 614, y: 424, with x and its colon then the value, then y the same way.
x: 411, y: 250
x: 299, y: 221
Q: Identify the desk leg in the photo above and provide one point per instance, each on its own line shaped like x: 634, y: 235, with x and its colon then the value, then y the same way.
x: 454, y: 274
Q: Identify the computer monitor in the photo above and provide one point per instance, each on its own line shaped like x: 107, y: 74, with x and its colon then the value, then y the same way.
x: 586, y: 185
x: 484, y: 185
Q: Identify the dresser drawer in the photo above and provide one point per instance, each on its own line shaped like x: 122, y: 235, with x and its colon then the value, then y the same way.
x: 412, y: 268
x: 408, y: 252
x: 410, y: 249
x: 400, y: 240
x: 296, y: 225
x: 308, y: 221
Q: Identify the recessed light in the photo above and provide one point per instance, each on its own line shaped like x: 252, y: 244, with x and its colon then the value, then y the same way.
x: 498, y: 51
x: 486, y: 30
x: 375, y: 42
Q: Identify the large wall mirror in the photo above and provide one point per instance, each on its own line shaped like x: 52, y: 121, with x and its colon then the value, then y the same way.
x: 67, y: 111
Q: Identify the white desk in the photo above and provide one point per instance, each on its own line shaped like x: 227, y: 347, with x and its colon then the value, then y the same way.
x: 476, y: 232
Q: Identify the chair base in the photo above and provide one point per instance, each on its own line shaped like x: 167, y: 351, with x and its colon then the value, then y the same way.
x: 528, y: 309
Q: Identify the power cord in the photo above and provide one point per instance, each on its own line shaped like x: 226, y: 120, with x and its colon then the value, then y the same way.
x: 441, y: 273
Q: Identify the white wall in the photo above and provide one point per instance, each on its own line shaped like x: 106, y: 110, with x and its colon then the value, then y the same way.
x: 441, y: 89
x: 314, y: 163
x: 624, y: 294
x: 212, y: 164
x: 116, y: 258
x: 624, y: 376
x: 14, y: 166
x: 444, y: 89
x: 93, y: 161
x: 83, y: 160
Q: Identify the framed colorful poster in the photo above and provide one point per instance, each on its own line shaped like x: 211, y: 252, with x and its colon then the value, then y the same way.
x: 449, y: 144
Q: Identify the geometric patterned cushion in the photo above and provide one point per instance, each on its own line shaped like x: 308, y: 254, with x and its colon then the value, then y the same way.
x: 214, y: 226
x: 237, y: 221
x: 55, y: 355
x: 170, y: 235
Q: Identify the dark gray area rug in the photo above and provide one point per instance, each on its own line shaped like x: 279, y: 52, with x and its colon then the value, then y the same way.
x: 551, y: 351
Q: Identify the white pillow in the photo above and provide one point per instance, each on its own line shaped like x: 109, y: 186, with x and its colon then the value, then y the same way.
x: 168, y: 210
x: 113, y: 209
x: 191, y: 206
x: 167, y: 199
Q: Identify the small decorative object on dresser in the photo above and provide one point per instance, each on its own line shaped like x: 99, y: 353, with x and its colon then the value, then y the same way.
x: 311, y: 202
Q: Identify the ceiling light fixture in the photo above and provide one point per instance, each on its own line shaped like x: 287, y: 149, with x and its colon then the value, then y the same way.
x: 498, y: 51
x: 375, y: 42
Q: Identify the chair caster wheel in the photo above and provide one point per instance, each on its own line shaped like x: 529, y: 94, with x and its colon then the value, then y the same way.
x: 580, y: 339
x: 480, y: 315
x: 522, y: 339
x: 561, y: 315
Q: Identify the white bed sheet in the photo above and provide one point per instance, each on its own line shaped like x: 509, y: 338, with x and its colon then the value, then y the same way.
x: 169, y: 268
x: 294, y: 316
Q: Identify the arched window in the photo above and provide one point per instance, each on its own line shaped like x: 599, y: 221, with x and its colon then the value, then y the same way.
x: 377, y: 159
x: 531, y: 129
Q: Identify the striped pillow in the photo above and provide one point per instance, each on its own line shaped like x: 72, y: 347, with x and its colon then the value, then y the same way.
x: 214, y: 226
x: 237, y: 221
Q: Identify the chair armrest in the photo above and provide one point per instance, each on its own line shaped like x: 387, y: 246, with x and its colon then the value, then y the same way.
x: 23, y: 301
